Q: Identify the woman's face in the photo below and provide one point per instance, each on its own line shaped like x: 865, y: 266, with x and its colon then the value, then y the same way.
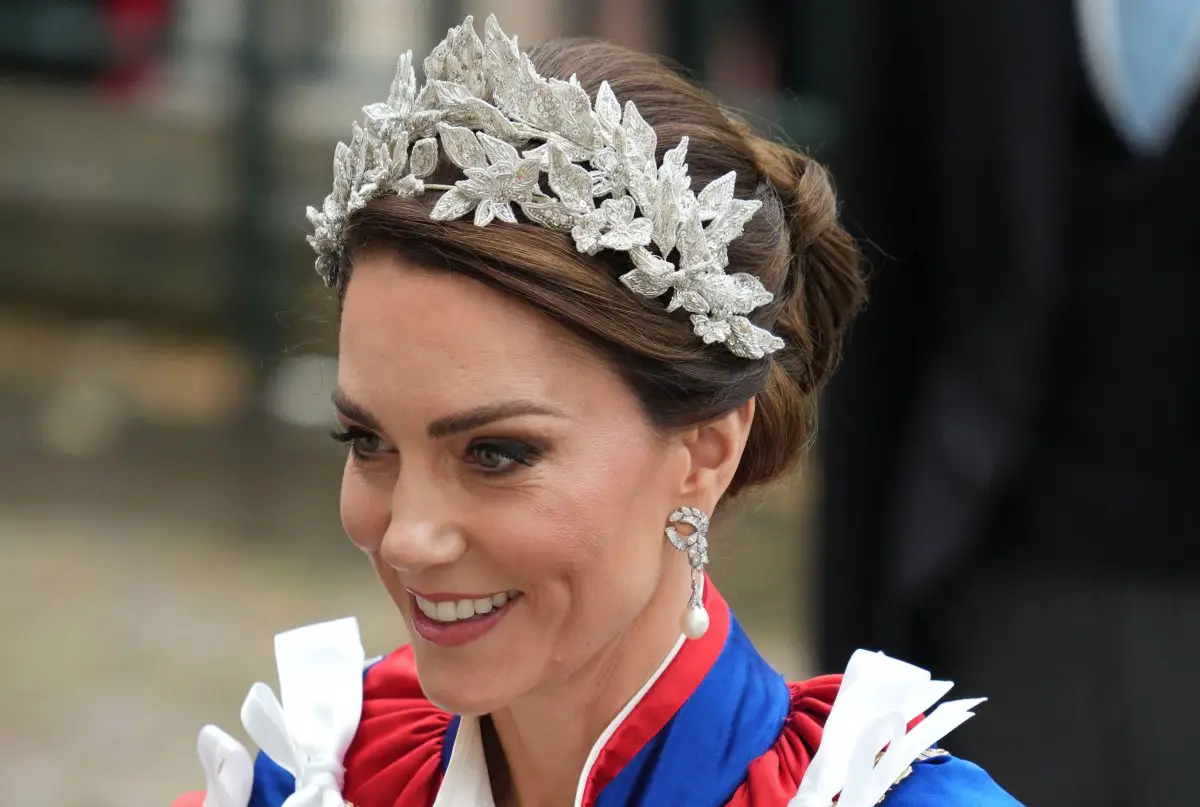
x: 503, y: 480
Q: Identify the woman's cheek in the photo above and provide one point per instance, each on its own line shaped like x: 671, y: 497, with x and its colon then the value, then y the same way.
x: 365, y: 510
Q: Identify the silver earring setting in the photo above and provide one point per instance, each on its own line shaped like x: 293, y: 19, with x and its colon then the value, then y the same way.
x: 695, y: 619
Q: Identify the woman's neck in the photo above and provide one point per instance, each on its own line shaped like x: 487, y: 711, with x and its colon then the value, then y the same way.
x: 539, y: 746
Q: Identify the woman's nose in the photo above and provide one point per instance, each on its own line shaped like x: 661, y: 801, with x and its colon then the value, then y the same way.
x: 421, y: 534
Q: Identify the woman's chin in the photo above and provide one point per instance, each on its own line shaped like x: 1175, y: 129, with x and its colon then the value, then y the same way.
x: 471, y: 693
x: 456, y: 702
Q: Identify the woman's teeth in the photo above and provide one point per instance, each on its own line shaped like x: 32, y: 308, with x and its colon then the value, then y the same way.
x: 455, y: 610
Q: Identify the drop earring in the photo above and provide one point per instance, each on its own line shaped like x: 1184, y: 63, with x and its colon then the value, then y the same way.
x: 695, y: 619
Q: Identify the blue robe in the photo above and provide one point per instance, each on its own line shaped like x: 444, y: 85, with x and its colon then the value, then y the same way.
x: 718, y: 727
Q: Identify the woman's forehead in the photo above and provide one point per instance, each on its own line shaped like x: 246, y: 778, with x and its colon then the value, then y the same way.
x: 411, y: 332
x: 396, y: 310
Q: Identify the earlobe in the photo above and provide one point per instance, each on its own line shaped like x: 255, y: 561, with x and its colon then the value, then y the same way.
x: 715, y: 450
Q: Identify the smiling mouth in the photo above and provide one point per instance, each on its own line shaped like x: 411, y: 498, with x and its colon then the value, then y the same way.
x: 450, y: 611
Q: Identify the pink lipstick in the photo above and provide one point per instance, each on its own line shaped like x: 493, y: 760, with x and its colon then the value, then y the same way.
x: 451, y: 620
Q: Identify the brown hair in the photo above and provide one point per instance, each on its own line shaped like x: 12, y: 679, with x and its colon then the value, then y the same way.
x: 794, y: 245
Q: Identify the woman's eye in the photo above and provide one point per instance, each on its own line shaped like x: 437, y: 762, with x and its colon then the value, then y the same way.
x: 363, y: 444
x: 491, y: 459
x: 496, y: 457
x: 367, y: 444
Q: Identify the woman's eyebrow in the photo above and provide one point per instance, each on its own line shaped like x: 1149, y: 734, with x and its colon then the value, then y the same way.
x: 354, y: 411
x: 456, y: 423
x: 488, y: 413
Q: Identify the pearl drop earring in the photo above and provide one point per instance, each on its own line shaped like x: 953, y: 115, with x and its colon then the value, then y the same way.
x: 695, y: 619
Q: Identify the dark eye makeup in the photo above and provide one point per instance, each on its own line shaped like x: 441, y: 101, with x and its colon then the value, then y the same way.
x: 363, y: 444
x: 490, y: 456
x: 496, y: 456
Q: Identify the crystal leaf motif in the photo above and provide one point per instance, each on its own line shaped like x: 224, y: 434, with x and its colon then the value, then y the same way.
x: 486, y: 109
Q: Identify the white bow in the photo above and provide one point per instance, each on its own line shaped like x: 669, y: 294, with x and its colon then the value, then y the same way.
x: 228, y: 769
x: 320, y: 680
x: 878, y: 698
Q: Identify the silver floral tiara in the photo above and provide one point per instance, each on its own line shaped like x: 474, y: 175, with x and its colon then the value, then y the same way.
x: 505, y: 126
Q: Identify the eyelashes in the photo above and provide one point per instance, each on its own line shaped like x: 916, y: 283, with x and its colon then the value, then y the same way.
x: 363, y: 444
x: 502, y: 456
x: 490, y: 457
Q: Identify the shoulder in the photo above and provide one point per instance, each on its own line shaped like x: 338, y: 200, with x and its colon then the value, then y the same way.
x: 822, y: 748
x: 774, y: 777
x: 397, y: 755
x: 941, y: 779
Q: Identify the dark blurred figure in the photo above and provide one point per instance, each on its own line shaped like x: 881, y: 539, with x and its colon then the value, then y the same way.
x: 1012, y: 447
x: 138, y: 29
x: 115, y: 42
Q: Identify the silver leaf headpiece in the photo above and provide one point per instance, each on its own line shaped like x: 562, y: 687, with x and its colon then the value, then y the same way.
x: 487, y: 109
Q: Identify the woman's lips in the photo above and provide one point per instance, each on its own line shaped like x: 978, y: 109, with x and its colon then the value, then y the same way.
x: 454, y: 619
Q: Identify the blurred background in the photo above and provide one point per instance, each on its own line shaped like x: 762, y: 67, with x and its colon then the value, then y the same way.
x: 1008, y: 458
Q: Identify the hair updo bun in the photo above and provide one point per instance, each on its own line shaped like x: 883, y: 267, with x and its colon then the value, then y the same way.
x: 793, y: 244
x: 821, y: 292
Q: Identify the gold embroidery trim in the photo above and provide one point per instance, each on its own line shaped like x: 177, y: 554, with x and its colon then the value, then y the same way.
x: 928, y: 753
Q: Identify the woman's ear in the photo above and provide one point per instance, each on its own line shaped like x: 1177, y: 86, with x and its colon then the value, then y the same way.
x: 714, y: 450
